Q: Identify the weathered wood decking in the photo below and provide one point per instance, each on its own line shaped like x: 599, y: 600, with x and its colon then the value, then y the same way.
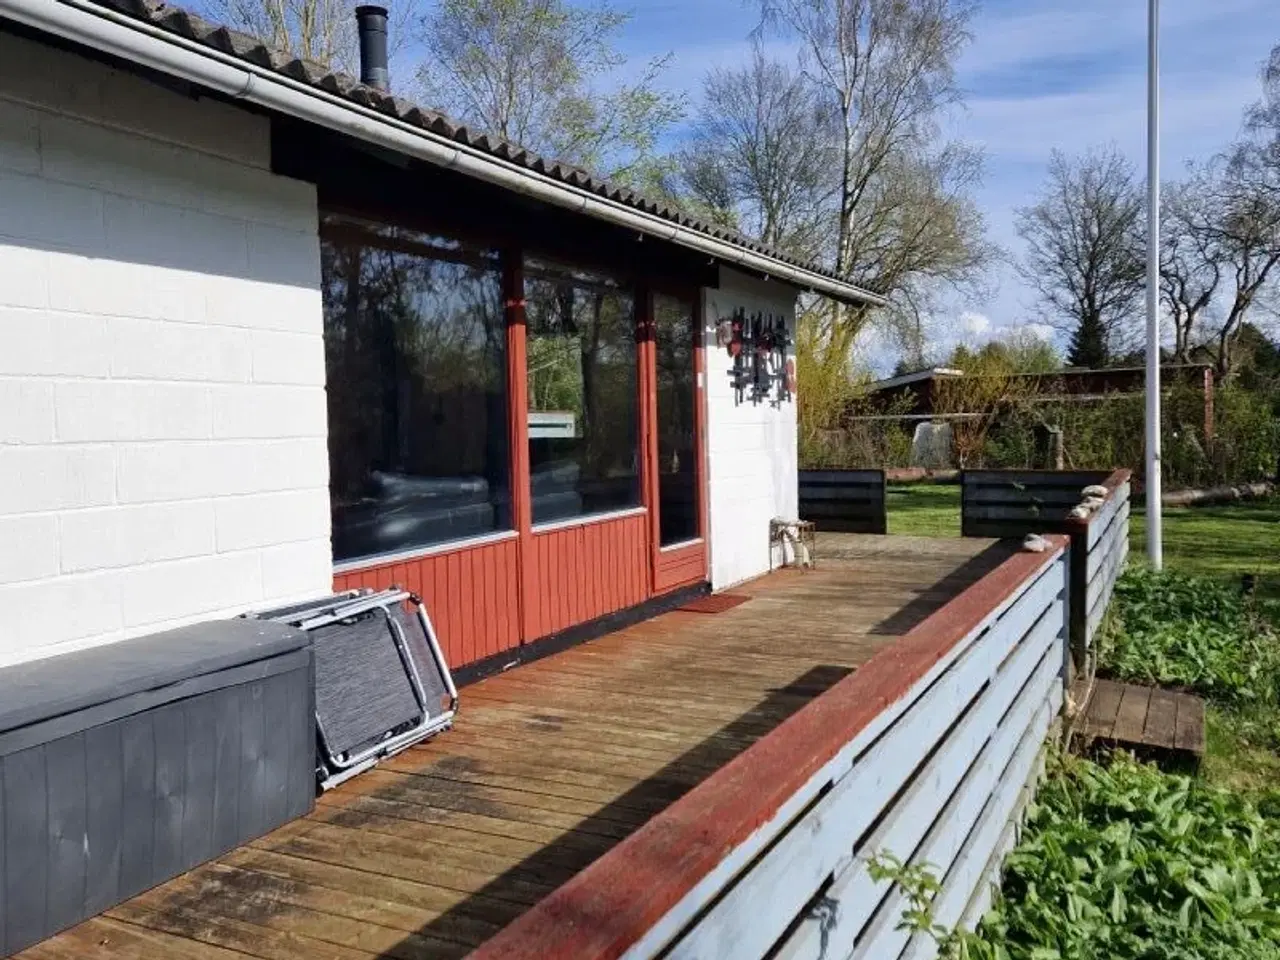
x: 1146, y: 718
x: 550, y: 766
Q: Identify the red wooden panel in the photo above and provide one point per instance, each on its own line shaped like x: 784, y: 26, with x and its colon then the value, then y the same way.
x: 469, y: 594
x: 676, y: 568
x: 586, y: 571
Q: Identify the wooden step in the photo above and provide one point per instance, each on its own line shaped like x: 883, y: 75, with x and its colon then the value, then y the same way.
x: 1147, y: 719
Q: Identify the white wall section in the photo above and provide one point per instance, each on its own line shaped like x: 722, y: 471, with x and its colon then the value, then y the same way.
x: 162, y: 407
x: 751, y: 447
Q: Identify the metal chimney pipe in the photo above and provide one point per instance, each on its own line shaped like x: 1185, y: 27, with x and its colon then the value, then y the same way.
x: 371, y: 21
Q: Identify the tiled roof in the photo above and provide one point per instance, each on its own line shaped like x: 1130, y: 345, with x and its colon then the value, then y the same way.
x: 252, y: 50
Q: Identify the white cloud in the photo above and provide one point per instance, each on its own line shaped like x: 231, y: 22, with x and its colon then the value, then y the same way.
x: 973, y: 327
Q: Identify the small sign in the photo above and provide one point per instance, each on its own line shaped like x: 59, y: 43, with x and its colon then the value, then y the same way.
x: 553, y: 425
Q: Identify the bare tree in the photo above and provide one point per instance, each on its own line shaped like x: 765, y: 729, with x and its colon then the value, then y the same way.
x: 897, y: 217
x: 323, y: 31
x: 1191, y: 264
x: 760, y: 158
x: 538, y: 73
x: 887, y: 71
x: 1084, y: 253
x: 1245, y: 237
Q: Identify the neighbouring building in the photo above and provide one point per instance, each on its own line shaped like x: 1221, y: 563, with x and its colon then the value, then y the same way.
x: 266, y: 331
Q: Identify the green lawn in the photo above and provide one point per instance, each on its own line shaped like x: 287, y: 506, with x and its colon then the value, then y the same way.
x: 924, y: 509
x: 1218, y: 541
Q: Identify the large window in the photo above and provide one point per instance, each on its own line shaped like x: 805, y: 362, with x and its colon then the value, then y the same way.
x: 415, y: 346
x: 583, y: 432
x: 677, y: 426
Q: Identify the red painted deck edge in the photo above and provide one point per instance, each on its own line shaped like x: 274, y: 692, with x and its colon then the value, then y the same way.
x: 609, y: 906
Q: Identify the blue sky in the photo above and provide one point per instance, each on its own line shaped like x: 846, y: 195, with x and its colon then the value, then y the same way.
x: 1040, y: 74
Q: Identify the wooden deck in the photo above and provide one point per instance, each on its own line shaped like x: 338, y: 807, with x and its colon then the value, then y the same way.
x: 550, y: 766
x: 1145, y: 718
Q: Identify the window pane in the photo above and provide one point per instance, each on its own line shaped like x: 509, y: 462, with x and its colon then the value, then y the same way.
x: 582, y: 393
x: 677, y: 444
x: 415, y: 346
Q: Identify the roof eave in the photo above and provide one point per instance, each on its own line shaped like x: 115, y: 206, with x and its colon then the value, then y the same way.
x: 144, y: 43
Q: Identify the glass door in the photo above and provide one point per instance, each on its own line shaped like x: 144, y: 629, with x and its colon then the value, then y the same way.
x: 677, y: 422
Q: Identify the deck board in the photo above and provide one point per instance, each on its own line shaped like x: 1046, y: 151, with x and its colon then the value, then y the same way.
x: 1145, y: 718
x: 549, y: 767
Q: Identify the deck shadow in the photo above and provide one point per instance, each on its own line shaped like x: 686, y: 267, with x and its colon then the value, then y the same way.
x: 597, y: 834
x: 930, y: 599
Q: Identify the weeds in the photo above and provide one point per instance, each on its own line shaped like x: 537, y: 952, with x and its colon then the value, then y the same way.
x: 1192, y: 632
x: 1126, y: 861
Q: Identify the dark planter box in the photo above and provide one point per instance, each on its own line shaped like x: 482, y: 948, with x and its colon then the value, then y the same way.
x: 126, y: 765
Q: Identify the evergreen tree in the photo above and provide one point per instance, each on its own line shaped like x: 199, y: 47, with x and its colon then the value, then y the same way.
x: 1088, y: 348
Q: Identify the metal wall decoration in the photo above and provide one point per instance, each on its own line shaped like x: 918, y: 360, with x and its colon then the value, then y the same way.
x: 758, y: 345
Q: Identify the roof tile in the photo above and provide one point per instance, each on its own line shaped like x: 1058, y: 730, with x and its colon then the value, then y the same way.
x: 252, y: 50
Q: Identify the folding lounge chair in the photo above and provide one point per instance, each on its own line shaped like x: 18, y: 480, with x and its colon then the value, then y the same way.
x: 382, y: 683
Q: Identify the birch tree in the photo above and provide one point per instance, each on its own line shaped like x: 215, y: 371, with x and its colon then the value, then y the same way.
x: 543, y: 74
x: 903, y: 221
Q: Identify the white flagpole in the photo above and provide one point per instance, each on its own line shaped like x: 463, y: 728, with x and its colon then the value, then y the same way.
x: 1155, y: 525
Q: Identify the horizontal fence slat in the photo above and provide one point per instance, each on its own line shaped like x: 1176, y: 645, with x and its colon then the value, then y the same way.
x: 972, y: 756
x: 852, y: 495
x: 1033, y: 478
x: 871, y: 478
x: 952, y: 850
x: 1045, y: 496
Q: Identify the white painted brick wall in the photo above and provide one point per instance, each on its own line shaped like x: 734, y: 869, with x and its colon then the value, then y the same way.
x: 751, y: 448
x: 162, y: 406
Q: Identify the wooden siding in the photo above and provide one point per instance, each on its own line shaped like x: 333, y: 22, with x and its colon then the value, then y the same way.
x: 930, y: 746
x: 850, y: 501
x: 680, y: 567
x: 471, y: 594
x: 577, y: 573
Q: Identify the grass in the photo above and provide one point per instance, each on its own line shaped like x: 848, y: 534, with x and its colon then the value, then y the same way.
x: 1222, y: 541
x: 924, y: 509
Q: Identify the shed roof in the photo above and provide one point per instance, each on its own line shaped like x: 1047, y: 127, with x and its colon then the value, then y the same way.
x: 183, y: 25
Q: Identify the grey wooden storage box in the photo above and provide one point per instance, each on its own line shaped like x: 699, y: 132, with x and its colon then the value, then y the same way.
x: 126, y: 765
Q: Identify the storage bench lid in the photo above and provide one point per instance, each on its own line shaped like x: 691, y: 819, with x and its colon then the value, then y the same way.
x: 43, y: 689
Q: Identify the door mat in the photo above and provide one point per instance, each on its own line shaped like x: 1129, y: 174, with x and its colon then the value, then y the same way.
x: 715, y: 603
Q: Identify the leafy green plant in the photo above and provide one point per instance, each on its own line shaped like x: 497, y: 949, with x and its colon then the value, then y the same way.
x: 1192, y: 632
x: 919, y: 884
x: 1125, y: 861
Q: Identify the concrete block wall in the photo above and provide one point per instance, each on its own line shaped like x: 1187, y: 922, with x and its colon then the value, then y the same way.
x: 162, y: 407
x: 751, y: 447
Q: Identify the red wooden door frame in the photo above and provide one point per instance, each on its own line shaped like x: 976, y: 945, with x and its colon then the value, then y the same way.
x: 684, y: 563
x: 518, y: 433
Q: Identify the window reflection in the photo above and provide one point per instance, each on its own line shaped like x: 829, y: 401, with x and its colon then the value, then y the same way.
x: 677, y: 441
x: 415, y: 349
x: 583, y: 429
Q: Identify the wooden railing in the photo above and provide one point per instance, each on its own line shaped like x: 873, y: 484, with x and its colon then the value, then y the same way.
x: 1013, y: 503
x: 1099, y: 548
x: 928, y: 752
x: 846, y: 501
